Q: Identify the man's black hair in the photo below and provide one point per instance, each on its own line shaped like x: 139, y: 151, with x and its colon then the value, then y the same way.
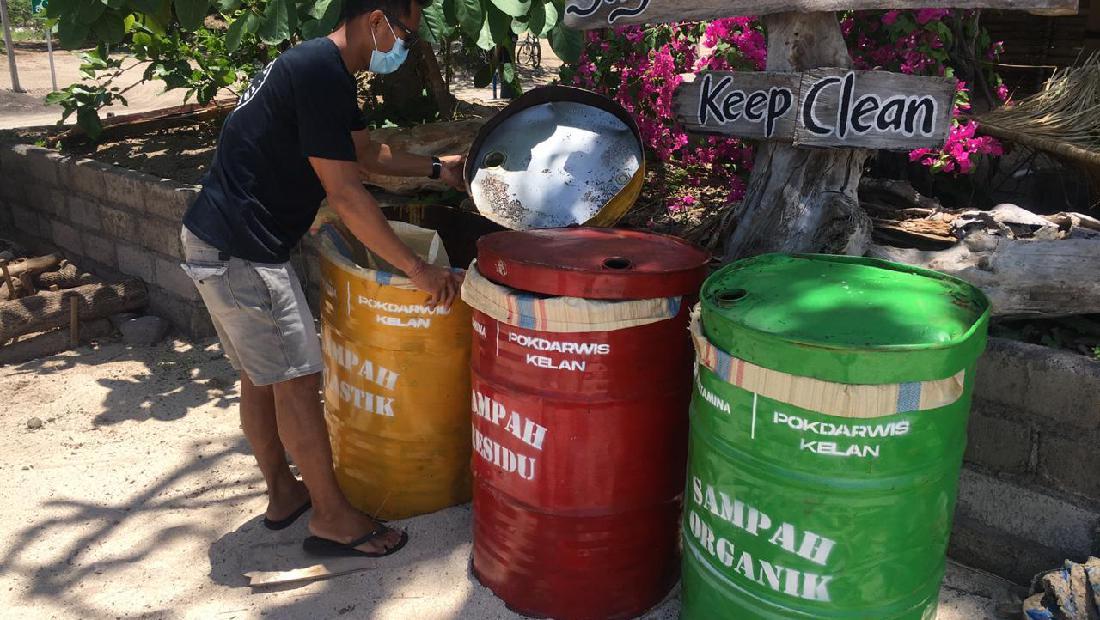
x: 397, y: 8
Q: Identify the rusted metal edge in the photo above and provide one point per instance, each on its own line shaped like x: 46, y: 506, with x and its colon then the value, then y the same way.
x: 538, y: 96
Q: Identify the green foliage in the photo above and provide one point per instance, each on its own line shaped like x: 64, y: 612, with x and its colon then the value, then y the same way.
x: 86, y: 98
x: 469, y: 15
x: 434, y: 23
x: 493, y: 26
x: 195, y: 45
x: 191, y: 13
x: 204, y: 46
x: 19, y: 11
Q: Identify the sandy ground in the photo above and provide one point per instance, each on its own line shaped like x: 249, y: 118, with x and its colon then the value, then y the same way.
x: 32, y: 62
x: 530, y: 77
x: 138, y: 498
x: 30, y: 109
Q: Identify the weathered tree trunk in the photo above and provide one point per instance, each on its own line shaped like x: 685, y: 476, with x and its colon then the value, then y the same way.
x: 19, y: 276
x: 34, y: 266
x: 48, y: 310
x: 1025, y: 278
x: 436, y: 82
x: 802, y: 200
x: 52, y: 343
x: 66, y: 277
x: 413, y: 94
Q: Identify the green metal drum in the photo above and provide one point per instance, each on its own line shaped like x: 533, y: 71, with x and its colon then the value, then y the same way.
x: 828, y: 426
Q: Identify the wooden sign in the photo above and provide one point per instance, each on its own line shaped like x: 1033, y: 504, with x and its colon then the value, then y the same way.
x: 748, y: 104
x: 873, y: 109
x: 821, y: 107
x: 588, y: 14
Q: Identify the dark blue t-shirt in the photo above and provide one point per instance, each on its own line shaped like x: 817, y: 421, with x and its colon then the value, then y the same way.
x: 261, y: 195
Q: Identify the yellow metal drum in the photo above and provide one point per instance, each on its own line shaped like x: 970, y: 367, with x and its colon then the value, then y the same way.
x: 397, y: 386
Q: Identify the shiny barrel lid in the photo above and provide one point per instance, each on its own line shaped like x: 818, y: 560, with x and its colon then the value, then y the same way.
x: 842, y: 318
x: 556, y: 156
x: 593, y: 263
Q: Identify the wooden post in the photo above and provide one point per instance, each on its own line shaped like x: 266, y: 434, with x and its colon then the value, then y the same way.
x: 7, y: 278
x: 802, y: 200
x: 1092, y: 28
x: 74, y: 320
x: 49, y: 52
x: 10, y: 47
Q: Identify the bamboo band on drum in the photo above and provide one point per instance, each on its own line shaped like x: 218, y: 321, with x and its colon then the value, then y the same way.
x: 836, y: 399
x: 561, y: 314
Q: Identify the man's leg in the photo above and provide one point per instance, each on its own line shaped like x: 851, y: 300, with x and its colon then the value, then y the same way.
x: 302, y: 428
x: 266, y: 328
x: 285, y: 494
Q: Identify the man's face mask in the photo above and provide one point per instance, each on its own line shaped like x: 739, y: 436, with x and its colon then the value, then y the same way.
x: 388, y: 62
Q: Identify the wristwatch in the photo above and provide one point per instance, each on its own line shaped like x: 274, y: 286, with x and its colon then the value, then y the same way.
x: 437, y: 168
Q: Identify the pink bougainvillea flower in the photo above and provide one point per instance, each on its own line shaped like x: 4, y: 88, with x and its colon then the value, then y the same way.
x: 641, y: 68
x: 925, y: 16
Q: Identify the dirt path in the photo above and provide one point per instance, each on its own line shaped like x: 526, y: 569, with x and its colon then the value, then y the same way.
x: 137, y: 498
x: 530, y: 77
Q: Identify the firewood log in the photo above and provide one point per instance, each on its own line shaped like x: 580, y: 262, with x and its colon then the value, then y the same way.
x: 48, y: 309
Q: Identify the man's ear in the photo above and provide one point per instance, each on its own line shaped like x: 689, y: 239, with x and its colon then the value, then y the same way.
x: 376, y: 18
x: 377, y: 24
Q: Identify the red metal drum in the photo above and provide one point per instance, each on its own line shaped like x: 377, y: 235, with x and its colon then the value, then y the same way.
x: 580, y: 437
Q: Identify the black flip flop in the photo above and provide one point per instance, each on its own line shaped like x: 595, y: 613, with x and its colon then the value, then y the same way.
x: 315, y: 545
x: 282, y: 524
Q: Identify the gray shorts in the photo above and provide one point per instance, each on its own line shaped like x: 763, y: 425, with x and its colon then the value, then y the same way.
x: 259, y: 311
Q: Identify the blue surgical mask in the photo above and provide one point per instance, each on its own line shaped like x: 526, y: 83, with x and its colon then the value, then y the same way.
x: 388, y: 62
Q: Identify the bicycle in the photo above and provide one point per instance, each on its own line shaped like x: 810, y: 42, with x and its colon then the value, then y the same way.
x: 529, y: 51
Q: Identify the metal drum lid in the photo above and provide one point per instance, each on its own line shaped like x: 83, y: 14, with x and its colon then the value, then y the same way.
x: 839, y: 302
x: 845, y: 319
x: 556, y: 157
x: 593, y: 263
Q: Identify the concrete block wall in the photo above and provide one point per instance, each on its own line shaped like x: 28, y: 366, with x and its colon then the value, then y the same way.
x: 107, y: 220
x: 1030, y: 495
x: 113, y: 222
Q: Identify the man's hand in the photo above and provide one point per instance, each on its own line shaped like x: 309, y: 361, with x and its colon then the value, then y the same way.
x: 360, y: 213
x: 452, y: 171
x: 440, y: 284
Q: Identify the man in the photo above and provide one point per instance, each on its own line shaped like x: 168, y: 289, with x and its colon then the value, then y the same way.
x: 296, y: 137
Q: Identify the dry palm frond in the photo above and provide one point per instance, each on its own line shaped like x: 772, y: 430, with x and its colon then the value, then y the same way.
x: 1063, y: 118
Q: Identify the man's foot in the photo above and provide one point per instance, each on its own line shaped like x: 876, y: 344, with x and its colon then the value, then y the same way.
x: 282, y: 524
x: 315, y: 545
x: 355, y: 526
x: 285, y: 500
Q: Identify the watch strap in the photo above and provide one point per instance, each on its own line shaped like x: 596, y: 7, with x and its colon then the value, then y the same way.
x: 437, y: 168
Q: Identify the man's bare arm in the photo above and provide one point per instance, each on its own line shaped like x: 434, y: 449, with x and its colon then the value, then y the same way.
x: 379, y: 158
x: 361, y: 214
